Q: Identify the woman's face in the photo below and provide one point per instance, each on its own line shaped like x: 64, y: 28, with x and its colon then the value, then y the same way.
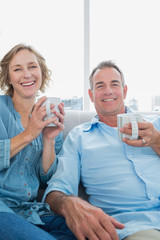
x: 25, y: 74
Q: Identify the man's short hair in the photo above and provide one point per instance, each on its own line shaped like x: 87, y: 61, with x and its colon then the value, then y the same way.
x: 106, y: 64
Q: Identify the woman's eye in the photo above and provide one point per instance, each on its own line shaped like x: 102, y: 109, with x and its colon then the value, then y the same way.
x: 33, y: 66
x: 17, y: 69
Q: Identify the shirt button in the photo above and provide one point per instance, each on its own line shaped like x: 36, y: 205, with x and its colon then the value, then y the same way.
x: 31, y: 144
x: 29, y: 194
x: 26, y: 159
x: 25, y: 184
x: 21, y: 173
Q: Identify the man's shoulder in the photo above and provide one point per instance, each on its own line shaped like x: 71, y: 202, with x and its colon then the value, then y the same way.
x: 80, y: 129
x: 83, y: 127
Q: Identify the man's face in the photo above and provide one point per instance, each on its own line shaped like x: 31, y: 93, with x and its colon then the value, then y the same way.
x: 108, y: 93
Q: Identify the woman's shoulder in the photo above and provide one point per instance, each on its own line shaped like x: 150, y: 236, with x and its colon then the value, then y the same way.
x: 4, y: 100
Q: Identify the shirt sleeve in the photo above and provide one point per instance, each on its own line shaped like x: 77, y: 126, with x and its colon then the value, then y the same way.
x: 66, y: 178
x: 58, y: 143
x: 4, y: 147
x: 46, y: 176
x: 4, y: 154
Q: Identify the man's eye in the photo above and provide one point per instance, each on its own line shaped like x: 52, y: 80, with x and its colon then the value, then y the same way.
x: 17, y: 69
x: 99, y: 86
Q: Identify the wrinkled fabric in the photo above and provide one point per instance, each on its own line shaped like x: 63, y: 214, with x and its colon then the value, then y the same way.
x: 122, y: 180
x: 21, y: 176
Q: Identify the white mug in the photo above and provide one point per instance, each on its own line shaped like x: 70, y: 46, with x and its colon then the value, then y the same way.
x: 132, y: 118
x: 47, y: 103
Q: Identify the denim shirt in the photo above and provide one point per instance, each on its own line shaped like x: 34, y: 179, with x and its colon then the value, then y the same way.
x: 21, y: 175
x: 122, y: 180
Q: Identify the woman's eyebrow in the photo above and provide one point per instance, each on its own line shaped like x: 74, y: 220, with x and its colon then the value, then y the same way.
x: 16, y: 65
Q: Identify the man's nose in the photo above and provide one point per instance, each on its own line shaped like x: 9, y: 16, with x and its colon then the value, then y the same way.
x: 108, y: 90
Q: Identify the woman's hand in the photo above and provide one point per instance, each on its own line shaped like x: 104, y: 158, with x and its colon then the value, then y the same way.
x: 51, y: 132
x: 37, y: 124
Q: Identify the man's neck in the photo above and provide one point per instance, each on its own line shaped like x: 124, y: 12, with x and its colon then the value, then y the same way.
x: 110, y: 119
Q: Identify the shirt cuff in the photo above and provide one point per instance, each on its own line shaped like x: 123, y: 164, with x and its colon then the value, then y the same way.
x: 4, y: 154
x: 46, y: 176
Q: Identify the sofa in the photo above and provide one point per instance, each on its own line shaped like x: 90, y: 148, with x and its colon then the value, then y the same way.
x: 72, y: 119
x: 76, y: 117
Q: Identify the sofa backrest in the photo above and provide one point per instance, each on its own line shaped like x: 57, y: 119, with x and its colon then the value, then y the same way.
x: 76, y: 117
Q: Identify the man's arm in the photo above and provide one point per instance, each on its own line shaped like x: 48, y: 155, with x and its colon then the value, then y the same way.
x: 83, y: 219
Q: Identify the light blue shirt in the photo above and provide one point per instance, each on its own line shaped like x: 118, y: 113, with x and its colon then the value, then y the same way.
x: 122, y: 180
x: 21, y: 176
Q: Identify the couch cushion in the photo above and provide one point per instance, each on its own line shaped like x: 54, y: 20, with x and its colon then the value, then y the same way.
x: 76, y: 117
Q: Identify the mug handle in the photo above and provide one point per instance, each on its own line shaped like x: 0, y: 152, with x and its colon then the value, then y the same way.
x: 134, y: 130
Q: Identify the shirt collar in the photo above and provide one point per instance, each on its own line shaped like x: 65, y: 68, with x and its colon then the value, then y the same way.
x: 95, y: 120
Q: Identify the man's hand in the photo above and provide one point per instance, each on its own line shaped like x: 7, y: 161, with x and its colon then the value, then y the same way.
x: 87, y: 221
x: 83, y: 219
x: 149, y: 136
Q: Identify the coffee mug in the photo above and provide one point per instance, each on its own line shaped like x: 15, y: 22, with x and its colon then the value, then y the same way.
x: 132, y: 118
x: 47, y: 103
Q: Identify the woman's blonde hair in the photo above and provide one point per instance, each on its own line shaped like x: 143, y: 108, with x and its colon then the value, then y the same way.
x: 4, y: 68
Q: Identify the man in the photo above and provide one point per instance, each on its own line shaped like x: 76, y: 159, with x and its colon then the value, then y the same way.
x: 121, y: 179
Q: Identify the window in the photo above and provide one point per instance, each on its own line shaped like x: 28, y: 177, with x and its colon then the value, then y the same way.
x: 55, y: 29
x: 75, y: 35
x: 127, y: 32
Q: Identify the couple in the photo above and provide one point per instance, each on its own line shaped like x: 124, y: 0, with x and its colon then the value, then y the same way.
x: 121, y: 178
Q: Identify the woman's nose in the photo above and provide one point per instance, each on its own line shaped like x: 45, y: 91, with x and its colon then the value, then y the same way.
x: 27, y: 73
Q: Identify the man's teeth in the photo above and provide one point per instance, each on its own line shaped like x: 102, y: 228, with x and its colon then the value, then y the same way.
x: 108, y: 100
x: 27, y: 84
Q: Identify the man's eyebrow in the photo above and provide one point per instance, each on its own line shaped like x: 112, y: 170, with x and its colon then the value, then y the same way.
x: 116, y: 81
x: 97, y: 83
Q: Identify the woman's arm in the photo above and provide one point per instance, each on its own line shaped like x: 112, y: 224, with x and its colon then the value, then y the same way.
x: 18, y: 142
x: 49, y: 135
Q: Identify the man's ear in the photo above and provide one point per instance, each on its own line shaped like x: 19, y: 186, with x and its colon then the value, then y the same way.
x: 90, y: 94
x: 125, y: 91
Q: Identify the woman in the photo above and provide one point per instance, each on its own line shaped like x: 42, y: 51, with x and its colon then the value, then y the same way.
x: 27, y: 147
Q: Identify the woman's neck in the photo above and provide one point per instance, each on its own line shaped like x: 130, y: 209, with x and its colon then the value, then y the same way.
x: 24, y: 105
